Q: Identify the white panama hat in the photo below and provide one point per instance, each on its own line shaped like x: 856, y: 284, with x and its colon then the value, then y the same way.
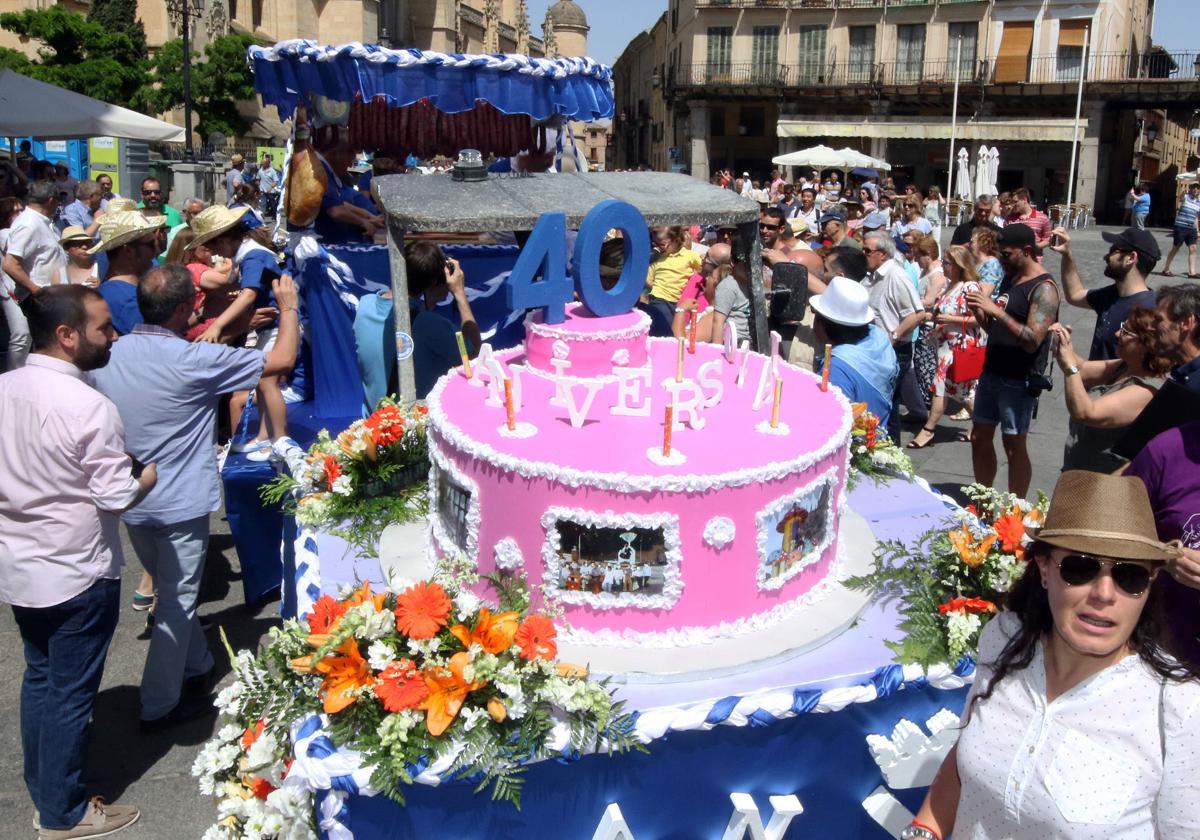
x: 844, y: 302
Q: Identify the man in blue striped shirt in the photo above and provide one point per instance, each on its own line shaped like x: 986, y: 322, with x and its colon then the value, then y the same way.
x: 1187, y: 223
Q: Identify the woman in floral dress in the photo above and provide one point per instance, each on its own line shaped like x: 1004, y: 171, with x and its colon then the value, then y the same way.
x: 954, y: 329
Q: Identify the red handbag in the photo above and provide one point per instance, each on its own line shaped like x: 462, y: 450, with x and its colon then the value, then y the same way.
x: 967, y: 364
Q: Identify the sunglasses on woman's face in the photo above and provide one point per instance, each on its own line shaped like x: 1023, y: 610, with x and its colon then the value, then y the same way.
x: 1081, y: 569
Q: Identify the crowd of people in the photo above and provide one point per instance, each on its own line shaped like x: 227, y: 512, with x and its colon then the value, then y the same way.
x: 100, y: 431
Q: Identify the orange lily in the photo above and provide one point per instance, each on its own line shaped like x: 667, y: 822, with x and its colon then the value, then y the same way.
x: 970, y: 551
x: 494, y: 633
x: 448, y: 689
x: 346, y: 440
x: 346, y: 673
x: 363, y: 595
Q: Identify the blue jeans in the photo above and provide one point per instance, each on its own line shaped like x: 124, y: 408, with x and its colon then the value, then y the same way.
x: 174, y: 557
x: 65, y: 649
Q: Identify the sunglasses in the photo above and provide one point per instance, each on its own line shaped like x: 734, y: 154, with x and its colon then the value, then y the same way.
x: 151, y: 192
x: 765, y: 226
x: 1081, y: 569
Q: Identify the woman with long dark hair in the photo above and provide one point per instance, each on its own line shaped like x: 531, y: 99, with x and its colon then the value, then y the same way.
x: 1081, y: 722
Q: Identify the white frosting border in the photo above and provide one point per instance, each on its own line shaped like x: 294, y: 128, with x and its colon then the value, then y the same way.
x: 552, y: 547
x: 719, y: 532
x: 439, y: 463
x: 622, y: 482
x: 557, y: 331
x: 763, y: 520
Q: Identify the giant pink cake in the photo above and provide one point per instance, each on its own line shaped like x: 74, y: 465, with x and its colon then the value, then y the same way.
x: 734, y: 532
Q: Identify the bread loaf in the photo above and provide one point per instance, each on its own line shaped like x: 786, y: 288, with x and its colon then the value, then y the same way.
x: 306, y: 187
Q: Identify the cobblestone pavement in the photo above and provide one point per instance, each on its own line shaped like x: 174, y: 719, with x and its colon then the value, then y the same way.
x: 153, y: 771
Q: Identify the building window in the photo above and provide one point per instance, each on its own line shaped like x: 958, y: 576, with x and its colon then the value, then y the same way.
x: 720, y: 52
x: 717, y: 124
x: 1012, y: 61
x: 256, y: 13
x: 1069, y: 58
x: 862, y: 53
x: 966, y: 34
x: 910, y: 52
x: 812, y: 54
x: 764, y: 54
x: 753, y: 121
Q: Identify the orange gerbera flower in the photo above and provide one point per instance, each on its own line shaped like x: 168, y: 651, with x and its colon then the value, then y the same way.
x: 536, y: 638
x: 346, y: 673
x: 971, y: 551
x: 363, y: 595
x: 448, y: 689
x: 333, y: 470
x: 1010, y: 528
x: 401, y: 686
x: 422, y: 610
x: 326, y: 615
x: 967, y: 605
x: 493, y: 633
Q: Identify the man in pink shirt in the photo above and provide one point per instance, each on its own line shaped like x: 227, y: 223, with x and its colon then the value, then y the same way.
x: 1024, y: 213
x: 64, y: 478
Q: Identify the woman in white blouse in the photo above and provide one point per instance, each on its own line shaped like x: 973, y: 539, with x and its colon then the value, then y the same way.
x: 1080, y: 724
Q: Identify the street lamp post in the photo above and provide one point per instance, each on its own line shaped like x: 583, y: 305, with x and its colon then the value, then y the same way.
x: 187, y: 9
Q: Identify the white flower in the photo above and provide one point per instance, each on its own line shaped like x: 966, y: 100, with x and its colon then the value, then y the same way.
x: 719, y: 532
x: 380, y: 655
x: 229, y: 699
x: 960, y: 628
x: 369, y: 623
x: 471, y: 716
x: 343, y: 486
x: 467, y: 602
x: 508, y: 554
x: 229, y: 732
x: 262, y: 752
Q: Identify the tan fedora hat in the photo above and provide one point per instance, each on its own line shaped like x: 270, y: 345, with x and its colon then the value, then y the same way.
x: 117, y: 229
x: 213, y: 221
x: 74, y: 234
x: 121, y: 205
x: 1103, y: 515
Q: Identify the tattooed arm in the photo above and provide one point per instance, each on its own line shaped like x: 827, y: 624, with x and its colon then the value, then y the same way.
x: 1043, y: 311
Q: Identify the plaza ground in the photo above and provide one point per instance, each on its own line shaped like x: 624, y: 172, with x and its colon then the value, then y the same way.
x: 154, y: 771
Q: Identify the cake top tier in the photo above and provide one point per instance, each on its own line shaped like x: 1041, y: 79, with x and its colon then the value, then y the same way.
x: 586, y: 345
x: 608, y: 430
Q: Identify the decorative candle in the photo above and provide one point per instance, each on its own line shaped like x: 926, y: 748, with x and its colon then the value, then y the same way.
x: 775, y: 405
x: 508, y: 405
x: 679, y: 363
x: 462, y: 351
x: 667, y: 430
x: 692, y: 332
x: 825, y: 367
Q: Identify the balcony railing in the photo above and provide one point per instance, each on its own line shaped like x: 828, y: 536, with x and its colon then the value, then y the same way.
x: 1048, y: 69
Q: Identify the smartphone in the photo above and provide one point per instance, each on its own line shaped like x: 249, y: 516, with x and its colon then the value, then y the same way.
x: 1055, y: 240
x: 1054, y: 341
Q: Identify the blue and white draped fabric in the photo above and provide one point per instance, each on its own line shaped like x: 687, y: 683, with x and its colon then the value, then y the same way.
x: 348, y: 285
x: 290, y: 72
x: 307, y: 580
x: 318, y: 765
x: 279, y: 233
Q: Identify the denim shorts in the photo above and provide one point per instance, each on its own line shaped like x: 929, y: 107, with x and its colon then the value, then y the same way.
x: 1007, y: 403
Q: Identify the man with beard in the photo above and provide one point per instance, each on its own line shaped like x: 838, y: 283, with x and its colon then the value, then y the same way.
x: 1128, y: 263
x: 66, y: 477
x: 154, y: 203
x: 981, y: 217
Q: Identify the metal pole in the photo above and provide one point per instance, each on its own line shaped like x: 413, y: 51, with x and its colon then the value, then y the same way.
x: 953, y: 127
x: 406, y: 373
x: 189, y: 153
x: 1078, y: 107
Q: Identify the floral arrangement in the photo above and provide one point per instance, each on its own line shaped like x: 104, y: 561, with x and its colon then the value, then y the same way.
x: 368, y: 477
x: 952, y: 580
x: 872, y: 452
x: 403, y: 679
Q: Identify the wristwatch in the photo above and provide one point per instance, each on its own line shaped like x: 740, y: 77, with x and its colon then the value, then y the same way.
x: 917, y: 832
x: 1070, y: 371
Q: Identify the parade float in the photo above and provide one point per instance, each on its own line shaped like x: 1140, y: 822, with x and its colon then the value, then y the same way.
x: 639, y: 591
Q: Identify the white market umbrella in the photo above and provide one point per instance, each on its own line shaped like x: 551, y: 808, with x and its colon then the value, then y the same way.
x: 993, y: 169
x: 818, y: 157
x: 982, y: 185
x: 962, y: 177
x: 856, y: 159
x: 32, y: 108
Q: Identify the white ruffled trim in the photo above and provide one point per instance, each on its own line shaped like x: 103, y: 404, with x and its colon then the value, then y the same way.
x: 561, y: 332
x: 764, y: 520
x: 673, y: 548
x: 508, y: 555
x: 719, y: 532
x: 439, y: 464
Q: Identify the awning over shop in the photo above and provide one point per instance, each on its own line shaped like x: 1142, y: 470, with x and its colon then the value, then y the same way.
x: 991, y: 131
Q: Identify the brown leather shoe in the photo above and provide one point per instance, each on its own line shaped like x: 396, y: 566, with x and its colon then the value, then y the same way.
x: 99, y: 820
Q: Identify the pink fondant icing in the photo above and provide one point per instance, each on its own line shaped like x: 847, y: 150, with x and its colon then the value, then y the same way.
x: 589, y: 343
x: 731, y: 470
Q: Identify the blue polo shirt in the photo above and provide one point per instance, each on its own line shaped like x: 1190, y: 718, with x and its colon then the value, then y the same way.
x: 167, y: 390
x: 122, y: 303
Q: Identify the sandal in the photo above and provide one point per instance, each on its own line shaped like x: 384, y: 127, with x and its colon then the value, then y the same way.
x: 961, y: 414
x: 1193, y: 276
x: 912, y: 444
x: 1166, y: 273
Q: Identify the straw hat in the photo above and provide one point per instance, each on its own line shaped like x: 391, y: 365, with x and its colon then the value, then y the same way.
x: 844, y: 302
x: 74, y: 233
x: 213, y: 221
x: 121, y: 205
x: 1104, y: 515
x: 117, y: 229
